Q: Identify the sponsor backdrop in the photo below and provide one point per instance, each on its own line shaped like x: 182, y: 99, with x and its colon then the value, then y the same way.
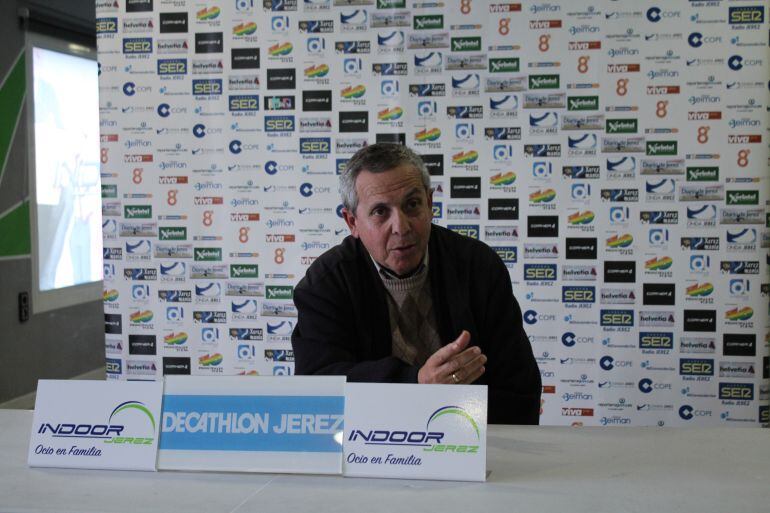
x: 613, y: 153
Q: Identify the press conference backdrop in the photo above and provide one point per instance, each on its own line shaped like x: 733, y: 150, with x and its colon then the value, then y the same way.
x: 613, y: 153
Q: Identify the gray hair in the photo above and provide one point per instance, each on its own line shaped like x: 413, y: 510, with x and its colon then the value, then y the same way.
x: 377, y: 158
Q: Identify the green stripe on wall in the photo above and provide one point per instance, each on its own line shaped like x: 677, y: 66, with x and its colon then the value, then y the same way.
x: 14, y: 232
x: 11, y: 101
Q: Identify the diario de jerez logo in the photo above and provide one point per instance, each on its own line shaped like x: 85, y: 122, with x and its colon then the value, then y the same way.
x: 112, y: 431
x: 449, y: 429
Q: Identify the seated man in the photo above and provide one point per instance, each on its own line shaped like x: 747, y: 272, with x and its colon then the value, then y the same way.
x: 402, y: 300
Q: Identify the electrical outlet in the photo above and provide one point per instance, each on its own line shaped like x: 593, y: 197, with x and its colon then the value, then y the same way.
x: 23, y: 306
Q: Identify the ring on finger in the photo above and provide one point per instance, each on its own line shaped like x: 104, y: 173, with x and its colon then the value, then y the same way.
x: 455, y: 378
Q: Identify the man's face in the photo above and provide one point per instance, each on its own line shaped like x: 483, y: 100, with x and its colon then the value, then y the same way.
x: 393, y: 217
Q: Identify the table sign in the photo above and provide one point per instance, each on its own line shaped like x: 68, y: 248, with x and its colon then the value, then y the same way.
x: 260, y: 424
x: 416, y: 431
x: 96, y: 424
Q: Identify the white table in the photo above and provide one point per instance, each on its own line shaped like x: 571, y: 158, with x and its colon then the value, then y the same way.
x: 537, y: 469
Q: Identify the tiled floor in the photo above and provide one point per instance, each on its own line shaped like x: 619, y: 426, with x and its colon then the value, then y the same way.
x: 27, y: 401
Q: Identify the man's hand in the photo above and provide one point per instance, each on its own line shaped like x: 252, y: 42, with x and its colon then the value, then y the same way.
x: 454, y: 364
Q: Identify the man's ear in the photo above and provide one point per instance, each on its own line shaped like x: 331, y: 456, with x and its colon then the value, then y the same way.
x: 350, y: 220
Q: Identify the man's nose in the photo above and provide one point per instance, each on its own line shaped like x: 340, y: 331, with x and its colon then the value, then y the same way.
x: 400, y: 223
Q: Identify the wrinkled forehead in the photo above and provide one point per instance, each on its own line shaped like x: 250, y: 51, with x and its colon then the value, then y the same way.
x: 394, y: 184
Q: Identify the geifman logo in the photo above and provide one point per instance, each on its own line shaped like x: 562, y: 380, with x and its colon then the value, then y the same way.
x: 109, y: 432
x: 430, y: 441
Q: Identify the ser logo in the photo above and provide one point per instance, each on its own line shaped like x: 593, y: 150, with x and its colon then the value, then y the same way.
x: 736, y: 391
x: 696, y: 367
x: 617, y: 318
x: 747, y: 15
x: 106, y: 25
x: 243, y: 103
x: 540, y: 272
x: 137, y: 45
x: 578, y: 294
x: 279, y: 123
x: 172, y: 66
x: 209, y: 87
x: 314, y: 145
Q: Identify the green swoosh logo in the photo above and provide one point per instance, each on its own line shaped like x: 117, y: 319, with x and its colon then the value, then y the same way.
x: 134, y: 405
x: 456, y: 410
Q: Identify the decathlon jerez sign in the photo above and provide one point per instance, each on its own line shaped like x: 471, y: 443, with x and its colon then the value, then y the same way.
x: 261, y: 424
x: 96, y: 424
x: 439, y: 433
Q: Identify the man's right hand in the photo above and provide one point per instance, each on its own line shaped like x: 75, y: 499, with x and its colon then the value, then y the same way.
x: 454, y: 364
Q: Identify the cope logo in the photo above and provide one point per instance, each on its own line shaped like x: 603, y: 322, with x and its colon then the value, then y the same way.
x: 608, y: 363
x: 532, y: 317
x: 687, y: 412
x: 446, y: 418
x: 646, y: 386
x: 656, y: 14
x: 738, y: 62
x: 109, y: 432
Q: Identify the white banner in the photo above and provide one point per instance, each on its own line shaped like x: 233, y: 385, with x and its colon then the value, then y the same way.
x: 614, y: 154
x: 416, y: 431
x: 96, y: 424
